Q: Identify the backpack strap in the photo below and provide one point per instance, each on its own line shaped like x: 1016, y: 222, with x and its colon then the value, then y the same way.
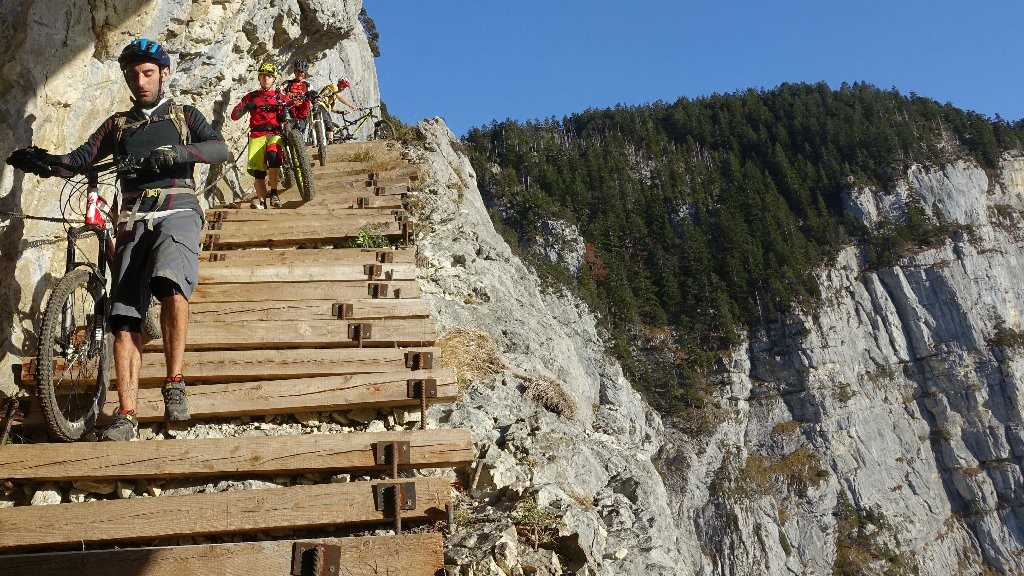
x: 175, y: 113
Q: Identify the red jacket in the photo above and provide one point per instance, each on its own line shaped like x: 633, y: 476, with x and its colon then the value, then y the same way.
x: 262, y: 121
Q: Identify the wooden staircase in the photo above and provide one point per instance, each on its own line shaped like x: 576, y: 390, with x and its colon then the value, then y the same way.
x: 274, y: 330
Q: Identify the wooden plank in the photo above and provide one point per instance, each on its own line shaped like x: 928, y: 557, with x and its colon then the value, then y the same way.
x: 240, y: 511
x: 300, y: 311
x: 233, y: 271
x: 408, y: 555
x: 269, y: 235
x: 224, y: 366
x: 300, y: 454
x: 311, y: 255
x: 319, y: 394
x: 250, y: 334
x: 260, y: 291
x: 276, y: 221
x: 241, y: 215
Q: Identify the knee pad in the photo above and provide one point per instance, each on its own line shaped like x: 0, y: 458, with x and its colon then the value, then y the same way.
x: 164, y: 287
x: 119, y: 323
x: 273, y: 158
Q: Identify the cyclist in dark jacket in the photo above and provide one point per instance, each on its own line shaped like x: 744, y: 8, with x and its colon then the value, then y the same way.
x: 157, y: 240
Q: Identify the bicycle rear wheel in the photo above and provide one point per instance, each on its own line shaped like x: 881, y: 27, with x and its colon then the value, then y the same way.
x: 321, y: 143
x: 383, y: 130
x: 301, y: 165
x: 73, y: 362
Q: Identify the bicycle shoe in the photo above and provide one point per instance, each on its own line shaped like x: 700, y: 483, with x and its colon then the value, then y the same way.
x: 258, y: 204
x: 124, y: 427
x: 275, y: 200
x: 175, y: 406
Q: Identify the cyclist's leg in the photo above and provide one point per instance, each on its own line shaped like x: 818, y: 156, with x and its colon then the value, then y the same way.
x: 130, y: 301
x: 257, y: 168
x: 274, y: 162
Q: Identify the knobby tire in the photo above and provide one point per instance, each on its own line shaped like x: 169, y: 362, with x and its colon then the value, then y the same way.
x: 72, y: 399
x: 383, y: 130
x: 299, y: 156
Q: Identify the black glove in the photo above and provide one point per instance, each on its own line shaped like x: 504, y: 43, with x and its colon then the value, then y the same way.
x: 34, y: 160
x: 248, y: 107
x: 312, y: 95
x: 166, y: 156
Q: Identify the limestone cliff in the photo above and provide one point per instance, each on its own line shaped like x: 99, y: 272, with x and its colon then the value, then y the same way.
x: 880, y: 432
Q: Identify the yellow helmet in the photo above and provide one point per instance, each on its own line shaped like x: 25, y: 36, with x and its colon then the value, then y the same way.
x: 267, y: 68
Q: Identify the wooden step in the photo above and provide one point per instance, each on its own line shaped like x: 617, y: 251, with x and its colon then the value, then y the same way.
x: 243, y: 215
x: 408, y: 555
x: 234, y: 235
x: 241, y: 511
x: 307, y: 333
x: 290, y: 291
x: 300, y: 311
x: 311, y: 255
x: 284, y: 396
x: 231, y: 271
x: 294, y: 396
x: 274, y: 455
x: 224, y: 366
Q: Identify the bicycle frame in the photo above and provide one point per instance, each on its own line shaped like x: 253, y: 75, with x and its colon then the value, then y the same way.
x: 365, y: 114
x: 100, y: 267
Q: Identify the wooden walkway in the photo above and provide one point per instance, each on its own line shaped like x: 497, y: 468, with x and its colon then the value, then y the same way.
x: 290, y: 317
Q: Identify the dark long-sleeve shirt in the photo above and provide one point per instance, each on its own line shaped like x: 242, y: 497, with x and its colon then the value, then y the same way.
x: 206, y: 145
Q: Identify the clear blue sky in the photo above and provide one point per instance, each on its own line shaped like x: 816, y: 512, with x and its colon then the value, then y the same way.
x: 472, y: 61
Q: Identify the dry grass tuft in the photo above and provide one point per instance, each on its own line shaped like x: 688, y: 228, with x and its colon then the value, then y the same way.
x: 471, y: 353
x: 549, y: 394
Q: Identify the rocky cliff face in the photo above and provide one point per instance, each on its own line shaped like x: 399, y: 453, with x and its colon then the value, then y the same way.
x: 878, y: 433
x: 60, y: 80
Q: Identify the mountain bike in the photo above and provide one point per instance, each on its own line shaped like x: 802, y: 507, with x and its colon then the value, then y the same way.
x: 75, y: 346
x: 382, y: 128
x: 296, y: 167
x: 316, y: 129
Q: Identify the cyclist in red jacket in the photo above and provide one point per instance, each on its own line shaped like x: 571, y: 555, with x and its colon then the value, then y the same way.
x: 301, y: 93
x: 266, y: 118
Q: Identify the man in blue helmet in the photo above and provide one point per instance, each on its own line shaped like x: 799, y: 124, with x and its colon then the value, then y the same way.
x: 158, y: 225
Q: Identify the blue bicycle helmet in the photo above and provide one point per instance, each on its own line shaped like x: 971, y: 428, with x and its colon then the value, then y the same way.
x: 144, y: 50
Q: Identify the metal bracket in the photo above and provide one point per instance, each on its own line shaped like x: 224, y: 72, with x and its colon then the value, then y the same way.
x: 214, y: 225
x: 419, y: 360
x: 425, y: 388
x: 360, y: 331
x: 385, y: 256
x: 377, y: 290
x: 313, y: 559
x: 372, y: 270
x: 219, y: 216
x: 210, y: 240
x: 341, y: 310
x: 384, y: 452
x: 217, y: 257
x: 407, y: 495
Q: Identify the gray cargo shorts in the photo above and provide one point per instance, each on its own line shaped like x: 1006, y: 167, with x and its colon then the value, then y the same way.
x: 169, y: 250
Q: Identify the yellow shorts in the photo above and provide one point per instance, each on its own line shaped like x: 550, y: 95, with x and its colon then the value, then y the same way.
x: 264, y: 153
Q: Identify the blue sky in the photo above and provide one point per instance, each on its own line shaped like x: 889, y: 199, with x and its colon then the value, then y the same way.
x: 472, y: 61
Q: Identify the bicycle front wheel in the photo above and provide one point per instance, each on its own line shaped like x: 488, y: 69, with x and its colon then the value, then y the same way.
x: 301, y: 165
x: 73, y: 362
x: 383, y: 130
x: 286, y: 167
